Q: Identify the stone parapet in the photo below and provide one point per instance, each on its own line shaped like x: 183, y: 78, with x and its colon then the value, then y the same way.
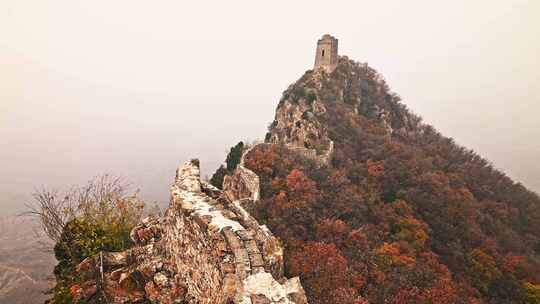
x: 205, y: 249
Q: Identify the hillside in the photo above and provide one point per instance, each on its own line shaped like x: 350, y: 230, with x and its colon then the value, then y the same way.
x: 375, y: 206
x: 25, y: 270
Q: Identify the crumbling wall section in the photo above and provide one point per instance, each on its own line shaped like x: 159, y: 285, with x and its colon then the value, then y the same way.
x: 205, y: 249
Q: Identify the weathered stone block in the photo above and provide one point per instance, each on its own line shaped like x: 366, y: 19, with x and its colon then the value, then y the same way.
x: 233, y: 241
x: 227, y: 267
x: 241, y: 255
x: 260, y: 299
x: 256, y: 260
x: 245, y: 235
x: 251, y: 246
x: 241, y: 271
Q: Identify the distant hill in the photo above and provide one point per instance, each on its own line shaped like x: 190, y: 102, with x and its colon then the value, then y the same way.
x: 25, y: 270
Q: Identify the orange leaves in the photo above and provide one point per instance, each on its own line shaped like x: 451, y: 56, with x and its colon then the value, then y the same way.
x: 443, y: 292
x: 317, y: 261
x: 532, y: 292
x: 519, y: 266
x: 388, y: 249
x: 392, y: 254
x: 332, y: 231
x: 483, y: 260
x: 120, y: 204
x: 412, y: 231
x: 325, y: 274
x: 301, y: 187
x: 375, y: 168
x: 401, y: 224
x: 371, y: 221
x: 357, y: 241
x: 338, y: 178
x: 482, y: 269
x: 465, y: 193
x: 261, y: 160
x: 513, y: 262
x: 295, y: 191
x: 298, y: 181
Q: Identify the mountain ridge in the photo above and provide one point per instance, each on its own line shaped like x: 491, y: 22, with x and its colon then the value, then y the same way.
x: 421, y: 201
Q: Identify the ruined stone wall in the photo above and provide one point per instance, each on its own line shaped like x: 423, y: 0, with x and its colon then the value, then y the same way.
x: 205, y: 249
x: 243, y: 184
x: 323, y: 158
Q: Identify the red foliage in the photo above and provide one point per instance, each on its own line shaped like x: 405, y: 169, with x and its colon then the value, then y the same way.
x: 371, y: 221
x: 300, y: 186
x: 375, y: 168
x: 325, y: 273
x: 262, y: 160
x: 332, y: 231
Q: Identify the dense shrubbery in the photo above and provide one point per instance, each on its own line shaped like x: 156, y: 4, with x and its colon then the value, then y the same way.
x: 81, y: 239
x: 84, y: 221
x: 217, y: 178
x: 232, y: 160
x: 407, y: 218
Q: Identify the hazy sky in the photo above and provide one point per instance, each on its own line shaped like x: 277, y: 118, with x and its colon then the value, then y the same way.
x: 136, y: 87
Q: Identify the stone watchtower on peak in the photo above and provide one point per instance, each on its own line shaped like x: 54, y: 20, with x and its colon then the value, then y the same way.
x: 327, y: 53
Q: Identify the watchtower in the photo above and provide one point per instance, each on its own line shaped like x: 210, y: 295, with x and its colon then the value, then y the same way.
x: 327, y: 54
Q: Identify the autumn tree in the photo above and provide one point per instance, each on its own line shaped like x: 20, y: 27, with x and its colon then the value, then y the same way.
x: 85, y: 220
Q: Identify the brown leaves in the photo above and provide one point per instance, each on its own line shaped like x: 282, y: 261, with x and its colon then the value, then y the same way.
x: 300, y: 186
x: 325, y: 273
x: 375, y: 168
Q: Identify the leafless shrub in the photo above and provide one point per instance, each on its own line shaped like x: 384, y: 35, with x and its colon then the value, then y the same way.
x: 104, y: 199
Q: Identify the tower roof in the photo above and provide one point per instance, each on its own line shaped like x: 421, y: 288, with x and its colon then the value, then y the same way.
x: 327, y: 37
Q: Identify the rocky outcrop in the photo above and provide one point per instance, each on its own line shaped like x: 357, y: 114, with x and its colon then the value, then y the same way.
x: 307, y: 108
x: 205, y: 249
x: 297, y: 122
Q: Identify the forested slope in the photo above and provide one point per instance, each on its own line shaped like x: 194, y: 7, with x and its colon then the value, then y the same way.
x: 398, y: 213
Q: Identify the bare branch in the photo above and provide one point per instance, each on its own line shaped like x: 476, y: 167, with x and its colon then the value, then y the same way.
x: 90, y: 201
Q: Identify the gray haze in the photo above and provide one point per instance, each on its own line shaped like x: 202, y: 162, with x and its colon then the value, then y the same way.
x: 136, y: 87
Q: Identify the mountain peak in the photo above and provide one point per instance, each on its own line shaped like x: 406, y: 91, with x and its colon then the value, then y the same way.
x: 351, y: 88
x: 349, y: 174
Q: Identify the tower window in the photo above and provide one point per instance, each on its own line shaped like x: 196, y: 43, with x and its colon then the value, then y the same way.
x: 323, y: 53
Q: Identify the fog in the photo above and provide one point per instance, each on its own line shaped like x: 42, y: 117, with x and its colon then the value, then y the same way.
x: 134, y: 88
